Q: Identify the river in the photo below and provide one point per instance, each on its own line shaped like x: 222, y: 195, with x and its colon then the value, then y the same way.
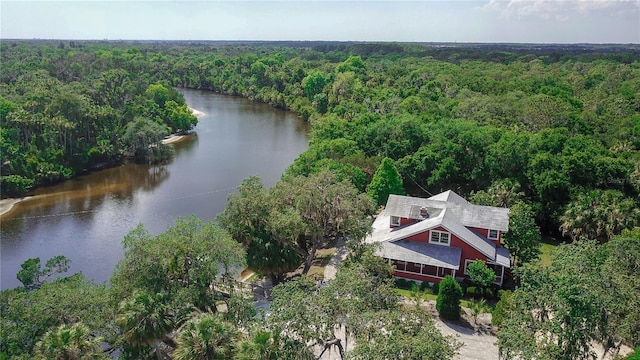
x: 86, y: 218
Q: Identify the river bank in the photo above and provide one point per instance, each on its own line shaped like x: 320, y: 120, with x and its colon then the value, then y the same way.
x: 6, y: 205
x: 174, y: 138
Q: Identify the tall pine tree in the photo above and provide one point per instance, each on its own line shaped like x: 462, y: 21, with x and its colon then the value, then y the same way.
x: 386, y: 181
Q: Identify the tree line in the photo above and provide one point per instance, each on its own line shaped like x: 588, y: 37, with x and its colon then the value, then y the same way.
x: 564, y: 130
x: 60, y: 116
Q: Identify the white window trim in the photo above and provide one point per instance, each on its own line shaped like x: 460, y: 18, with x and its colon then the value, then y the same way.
x: 493, y: 238
x: 397, y: 222
x: 439, y: 237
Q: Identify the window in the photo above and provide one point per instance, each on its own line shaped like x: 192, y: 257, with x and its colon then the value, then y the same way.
x: 395, y: 221
x: 399, y: 264
x: 493, y: 234
x: 439, y: 237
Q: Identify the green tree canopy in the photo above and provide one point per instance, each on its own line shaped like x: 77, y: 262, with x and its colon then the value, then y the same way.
x: 599, y: 215
x: 361, y: 302
x: 66, y: 300
x: 188, y: 257
x: 325, y: 207
x: 523, y: 237
x: 69, y: 342
x: 145, y: 319
x: 385, y: 181
x: 206, y: 337
x: 32, y: 275
x: 143, y: 140
x: 251, y: 218
x: 314, y: 83
x: 560, y: 310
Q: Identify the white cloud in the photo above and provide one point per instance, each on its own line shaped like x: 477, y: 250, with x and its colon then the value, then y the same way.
x: 562, y: 10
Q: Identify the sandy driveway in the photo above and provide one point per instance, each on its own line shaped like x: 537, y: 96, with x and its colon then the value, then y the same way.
x: 475, y: 345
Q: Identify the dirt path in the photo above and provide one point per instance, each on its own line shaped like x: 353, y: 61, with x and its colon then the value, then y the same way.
x: 332, y: 267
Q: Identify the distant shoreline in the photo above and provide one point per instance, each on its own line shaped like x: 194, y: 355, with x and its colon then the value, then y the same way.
x: 6, y: 205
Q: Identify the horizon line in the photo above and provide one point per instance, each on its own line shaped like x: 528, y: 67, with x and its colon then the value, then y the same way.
x: 320, y: 41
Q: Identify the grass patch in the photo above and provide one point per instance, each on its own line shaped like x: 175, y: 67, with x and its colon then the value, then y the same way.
x: 427, y: 296
x: 316, y: 272
x: 547, y: 246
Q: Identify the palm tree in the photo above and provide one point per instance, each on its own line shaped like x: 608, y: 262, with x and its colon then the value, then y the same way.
x: 272, y: 345
x: 599, y: 215
x: 69, y: 342
x: 145, y: 320
x: 258, y: 347
x: 204, y: 337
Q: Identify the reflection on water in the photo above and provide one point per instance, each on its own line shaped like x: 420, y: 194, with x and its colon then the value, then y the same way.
x: 86, y: 218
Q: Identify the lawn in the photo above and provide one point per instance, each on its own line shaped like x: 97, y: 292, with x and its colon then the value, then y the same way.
x: 427, y: 296
x: 320, y: 262
x: 546, y: 248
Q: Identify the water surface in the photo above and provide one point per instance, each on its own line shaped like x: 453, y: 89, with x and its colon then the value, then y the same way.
x: 86, y: 218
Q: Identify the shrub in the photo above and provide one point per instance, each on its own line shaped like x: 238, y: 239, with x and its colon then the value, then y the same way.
x: 15, y: 185
x: 402, y: 284
x: 503, y: 307
x: 411, y: 285
x: 481, y: 275
x: 448, y: 301
x: 435, y: 289
x: 471, y: 291
x: 477, y: 308
x: 424, y: 286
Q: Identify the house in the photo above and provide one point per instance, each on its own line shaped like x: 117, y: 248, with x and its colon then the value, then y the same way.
x: 427, y: 239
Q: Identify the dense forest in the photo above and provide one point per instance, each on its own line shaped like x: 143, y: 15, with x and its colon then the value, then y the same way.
x: 551, y: 131
x: 560, y: 128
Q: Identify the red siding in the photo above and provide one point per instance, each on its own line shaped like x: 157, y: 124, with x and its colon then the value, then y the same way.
x: 424, y: 236
x: 468, y: 252
x: 406, y: 221
x: 485, y: 233
x: 403, y: 222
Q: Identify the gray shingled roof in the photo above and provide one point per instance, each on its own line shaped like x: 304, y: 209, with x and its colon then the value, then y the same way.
x: 450, y: 196
x: 449, y: 221
x: 503, y: 257
x: 486, y: 217
x: 423, y: 253
x: 448, y: 210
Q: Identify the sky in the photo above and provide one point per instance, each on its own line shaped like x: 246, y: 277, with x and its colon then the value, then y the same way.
x: 505, y: 21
